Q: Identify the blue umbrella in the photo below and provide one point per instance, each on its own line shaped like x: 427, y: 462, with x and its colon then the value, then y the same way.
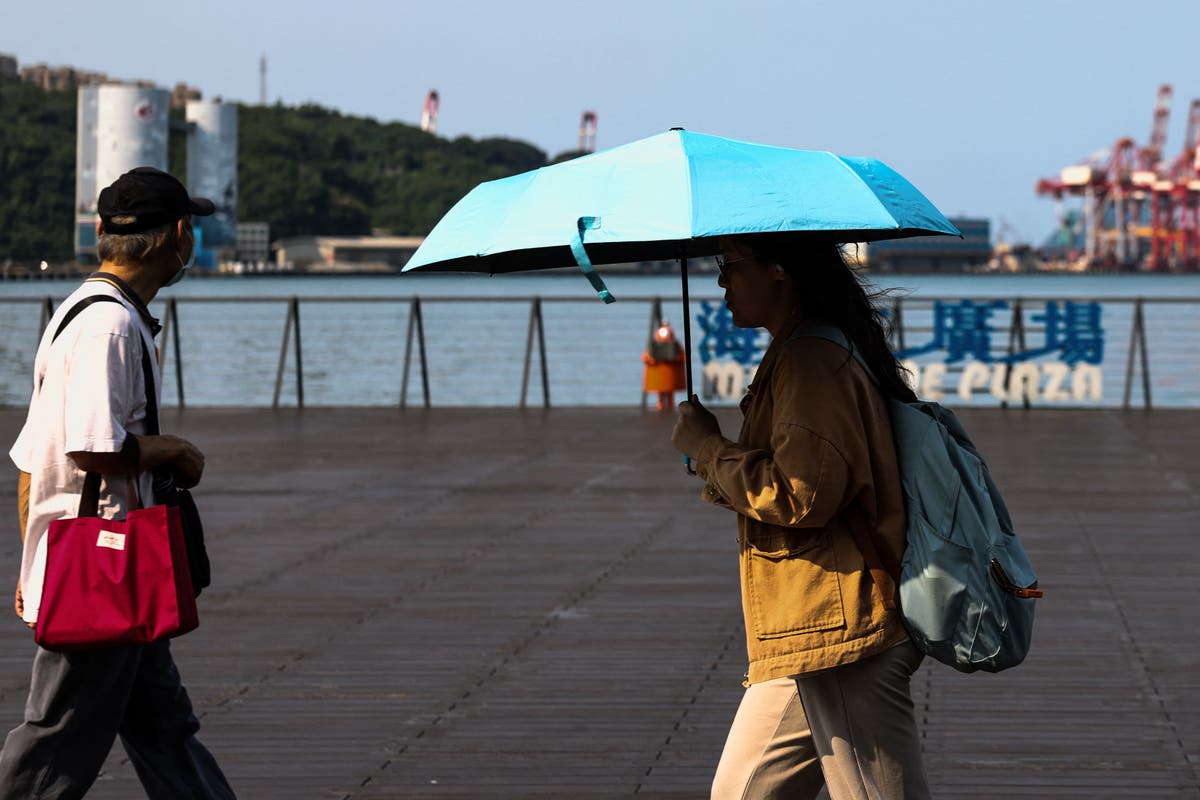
x: 671, y: 196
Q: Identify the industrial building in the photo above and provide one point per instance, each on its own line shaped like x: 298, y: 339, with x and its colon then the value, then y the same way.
x: 346, y: 253
x: 253, y: 241
x: 935, y: 253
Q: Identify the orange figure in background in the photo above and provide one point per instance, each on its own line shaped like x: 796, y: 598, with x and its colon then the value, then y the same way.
x: 664, y: 366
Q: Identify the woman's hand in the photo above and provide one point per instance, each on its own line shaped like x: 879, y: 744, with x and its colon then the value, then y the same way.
x: 694, y: 425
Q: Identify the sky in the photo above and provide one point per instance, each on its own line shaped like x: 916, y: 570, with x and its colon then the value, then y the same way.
x: 971, y: 101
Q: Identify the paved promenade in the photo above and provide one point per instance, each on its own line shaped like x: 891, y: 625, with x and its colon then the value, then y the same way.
x: 504, y: 604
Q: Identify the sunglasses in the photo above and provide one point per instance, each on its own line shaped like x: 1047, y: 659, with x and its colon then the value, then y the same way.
x: 722, y: 263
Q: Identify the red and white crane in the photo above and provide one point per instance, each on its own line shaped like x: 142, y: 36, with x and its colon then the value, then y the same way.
x: 1176, y: 208
x: 1152, y: 153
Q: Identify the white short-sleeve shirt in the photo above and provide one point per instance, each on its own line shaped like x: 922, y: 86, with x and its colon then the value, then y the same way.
x: 88, y: 395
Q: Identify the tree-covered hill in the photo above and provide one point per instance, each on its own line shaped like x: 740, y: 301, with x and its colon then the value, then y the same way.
x: 312, y: 170
x: 37, y: 172
x: 304, y: 170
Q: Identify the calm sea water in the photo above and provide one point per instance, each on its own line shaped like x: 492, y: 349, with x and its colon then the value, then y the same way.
x: 476, y: 329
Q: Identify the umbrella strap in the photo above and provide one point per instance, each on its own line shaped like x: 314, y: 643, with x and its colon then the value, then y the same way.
x: 585, y: 263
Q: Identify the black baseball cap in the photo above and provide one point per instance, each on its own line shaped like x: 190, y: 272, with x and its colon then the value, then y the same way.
x: 146, y: 198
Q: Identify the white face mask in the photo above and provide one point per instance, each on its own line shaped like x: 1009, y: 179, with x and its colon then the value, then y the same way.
x: 183, y: 268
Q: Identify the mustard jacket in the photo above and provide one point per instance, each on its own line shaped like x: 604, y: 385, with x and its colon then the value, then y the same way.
x: 815, y: 452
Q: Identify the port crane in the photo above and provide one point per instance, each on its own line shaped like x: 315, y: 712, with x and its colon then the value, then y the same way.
x: 1140, y: 210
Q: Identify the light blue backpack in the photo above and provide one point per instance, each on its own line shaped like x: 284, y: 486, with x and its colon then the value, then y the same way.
x: 967, y: 588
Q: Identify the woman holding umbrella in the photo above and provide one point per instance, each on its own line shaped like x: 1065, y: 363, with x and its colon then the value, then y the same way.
x: 814, y: 481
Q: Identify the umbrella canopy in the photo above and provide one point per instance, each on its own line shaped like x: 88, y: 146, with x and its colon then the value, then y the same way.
x: 671, y: 196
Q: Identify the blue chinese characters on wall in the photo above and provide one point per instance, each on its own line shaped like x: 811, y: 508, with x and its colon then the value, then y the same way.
x: 965, y: 337
x: 964, y: 331
x: 1064, y: 367
x: 730, y: 354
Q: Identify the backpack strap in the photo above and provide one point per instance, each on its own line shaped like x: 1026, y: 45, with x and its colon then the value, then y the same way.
x: 835, y: 335
x: 882, y: 566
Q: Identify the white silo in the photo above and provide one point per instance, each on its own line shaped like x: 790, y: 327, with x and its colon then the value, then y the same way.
x: 131, y: 125
x: 85, y: 170
x: 118, y: 128
x: 212, y: 167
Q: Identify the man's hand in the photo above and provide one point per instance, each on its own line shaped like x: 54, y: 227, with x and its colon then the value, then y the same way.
x: 23, y: 484
x: 694, y: 425
x: 179, y: 455
x: 20, y: 606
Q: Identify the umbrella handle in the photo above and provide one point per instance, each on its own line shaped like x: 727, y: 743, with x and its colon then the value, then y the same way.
x: 585, y: 263
x: 687, y: 344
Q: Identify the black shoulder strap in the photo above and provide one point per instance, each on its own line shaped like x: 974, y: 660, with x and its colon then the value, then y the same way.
x: 89, y: 499
x: 80, y: 306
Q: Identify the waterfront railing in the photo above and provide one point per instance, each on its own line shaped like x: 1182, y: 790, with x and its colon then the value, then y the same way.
x: 1019, y: 351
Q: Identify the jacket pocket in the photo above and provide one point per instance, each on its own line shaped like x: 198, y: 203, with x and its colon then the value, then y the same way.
x: 794, y: 589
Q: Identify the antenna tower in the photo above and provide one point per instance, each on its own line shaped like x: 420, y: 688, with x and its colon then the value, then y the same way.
x: 587, y: 132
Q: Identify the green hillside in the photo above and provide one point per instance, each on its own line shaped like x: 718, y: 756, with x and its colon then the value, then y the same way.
x: 304, y: 170
x: 37, y: 172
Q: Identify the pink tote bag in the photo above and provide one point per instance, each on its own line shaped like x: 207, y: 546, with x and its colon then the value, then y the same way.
x: 111, y: 583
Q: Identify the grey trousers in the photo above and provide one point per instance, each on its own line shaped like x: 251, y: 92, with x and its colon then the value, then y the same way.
x: 80, y: 702
x: 849, y: 729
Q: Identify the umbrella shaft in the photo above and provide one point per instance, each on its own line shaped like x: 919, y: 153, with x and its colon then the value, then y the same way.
x: 687, y: 343
x: 687, y: 326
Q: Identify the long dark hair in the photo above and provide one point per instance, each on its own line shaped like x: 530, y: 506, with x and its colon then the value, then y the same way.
x: 831, y: 293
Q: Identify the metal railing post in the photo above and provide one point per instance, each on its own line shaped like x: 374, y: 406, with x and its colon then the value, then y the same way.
x: 528, y: 351
x: 1137, y: 346
x: 413, y: 305
x: 172, y: 320
x: 47, y: 313
x: 421, y: 350
x: 283, y: 349
x: 535, y: 327
x: 1145, y: 359
x: 655, y: 318
x: 416, y: 322
x: 299, y: 359
x: 1016, y: 339
x: 898, y: 323
x: 542, y: 354
x: 1021, y: 344
x: 160, y: 350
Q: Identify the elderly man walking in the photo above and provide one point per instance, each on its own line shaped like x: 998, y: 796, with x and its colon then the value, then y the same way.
x: 88, y: 413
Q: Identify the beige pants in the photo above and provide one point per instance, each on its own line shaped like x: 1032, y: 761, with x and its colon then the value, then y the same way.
x: 850, y: 729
